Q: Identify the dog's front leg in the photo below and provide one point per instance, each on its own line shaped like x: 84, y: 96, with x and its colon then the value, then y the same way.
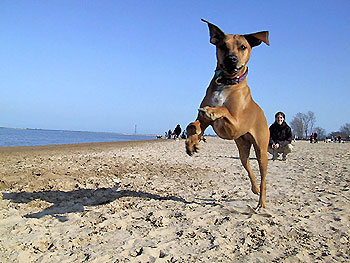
x: 224, y: 124
x: 194, y: 131
x: 214, y: 113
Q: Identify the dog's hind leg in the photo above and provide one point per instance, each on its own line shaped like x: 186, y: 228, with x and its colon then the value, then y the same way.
x: 261, y: 155
x: 244, y: 144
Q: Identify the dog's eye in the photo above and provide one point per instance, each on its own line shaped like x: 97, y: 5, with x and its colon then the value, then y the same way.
x: 242, y: 47
x: 223, y: 47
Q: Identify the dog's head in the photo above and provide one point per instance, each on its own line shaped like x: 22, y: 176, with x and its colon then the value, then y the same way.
x: 233, y: 51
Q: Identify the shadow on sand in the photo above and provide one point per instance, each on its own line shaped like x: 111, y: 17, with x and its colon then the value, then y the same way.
x: 74, y: 201
x: 225, y: 156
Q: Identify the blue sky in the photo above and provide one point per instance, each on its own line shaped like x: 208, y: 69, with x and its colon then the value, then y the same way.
x: 111, y: 65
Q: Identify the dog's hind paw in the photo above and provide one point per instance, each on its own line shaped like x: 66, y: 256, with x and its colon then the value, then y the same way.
x: 259, y: 211
x: 255, y: 190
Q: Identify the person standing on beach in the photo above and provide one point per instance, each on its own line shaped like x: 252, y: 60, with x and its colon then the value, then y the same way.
x: 177, y: 131
x: 280, y: 137
x: 311, y: 137
x: 169, y: 134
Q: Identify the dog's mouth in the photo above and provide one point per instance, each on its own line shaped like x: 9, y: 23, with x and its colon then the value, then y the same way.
x: 231, y: 69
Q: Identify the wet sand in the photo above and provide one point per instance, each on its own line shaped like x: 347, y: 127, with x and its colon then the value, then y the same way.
x: 150, y: 202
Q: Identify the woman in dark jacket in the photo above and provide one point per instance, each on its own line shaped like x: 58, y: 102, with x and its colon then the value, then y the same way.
x: 177, y: 131
x: 280, y: 137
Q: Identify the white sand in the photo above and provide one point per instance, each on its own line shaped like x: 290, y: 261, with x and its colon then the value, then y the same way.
x: 150, y: 202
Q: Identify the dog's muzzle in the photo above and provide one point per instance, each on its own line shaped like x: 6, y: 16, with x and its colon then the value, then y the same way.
x: 230, y: 64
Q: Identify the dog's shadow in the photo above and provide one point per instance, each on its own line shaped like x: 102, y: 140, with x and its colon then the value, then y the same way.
x: 227, y: 157
x: 74, y: 201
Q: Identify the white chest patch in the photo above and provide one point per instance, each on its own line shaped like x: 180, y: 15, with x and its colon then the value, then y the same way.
x: 218, y: 98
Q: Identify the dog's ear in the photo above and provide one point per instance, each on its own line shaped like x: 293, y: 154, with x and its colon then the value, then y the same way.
x: 256, y: 38
x: 216, y: 34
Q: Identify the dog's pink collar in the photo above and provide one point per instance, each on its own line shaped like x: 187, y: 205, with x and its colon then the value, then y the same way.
x: 222, y: 80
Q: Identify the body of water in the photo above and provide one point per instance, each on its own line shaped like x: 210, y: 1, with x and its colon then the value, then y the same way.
x: 36, y: 137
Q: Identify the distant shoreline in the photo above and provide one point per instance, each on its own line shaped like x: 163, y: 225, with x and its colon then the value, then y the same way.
x: 77, y: 146
x: 15, y: 137
x: 41, y: 129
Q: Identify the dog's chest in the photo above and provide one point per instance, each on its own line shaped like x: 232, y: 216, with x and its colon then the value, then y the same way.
x: 218, y: 97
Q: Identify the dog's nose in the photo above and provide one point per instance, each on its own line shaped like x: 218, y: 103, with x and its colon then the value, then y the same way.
x: 232, y: 58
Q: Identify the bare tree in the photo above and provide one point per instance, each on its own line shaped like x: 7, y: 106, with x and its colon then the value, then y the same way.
x: 297, y: 125
x: 312, y: 120
x: 345, y: 129
x: 308, y: 120
x: 303, y: 123
x: 321, y: 133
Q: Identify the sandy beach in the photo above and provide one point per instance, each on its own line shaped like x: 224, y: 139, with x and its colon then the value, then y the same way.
x: 150, y: 202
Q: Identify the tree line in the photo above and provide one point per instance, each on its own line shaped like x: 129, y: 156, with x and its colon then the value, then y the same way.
x: 303, y: 124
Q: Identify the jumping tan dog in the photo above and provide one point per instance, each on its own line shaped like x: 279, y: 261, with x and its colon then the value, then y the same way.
x: 228, y: 106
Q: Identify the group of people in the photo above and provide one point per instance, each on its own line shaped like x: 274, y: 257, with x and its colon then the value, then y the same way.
x: 176, y: 134
x: 336, y: 139
x: 313, y: 137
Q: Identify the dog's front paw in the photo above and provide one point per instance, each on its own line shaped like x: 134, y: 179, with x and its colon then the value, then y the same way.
x: 192, y: 145
x: 192, y: 142
x: 208, y: 113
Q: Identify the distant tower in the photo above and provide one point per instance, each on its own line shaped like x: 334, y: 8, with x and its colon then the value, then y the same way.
x: 135, y: 128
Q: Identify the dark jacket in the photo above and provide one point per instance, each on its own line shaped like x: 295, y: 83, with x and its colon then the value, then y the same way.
x: 177, y: 130
x: 281, y: 134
